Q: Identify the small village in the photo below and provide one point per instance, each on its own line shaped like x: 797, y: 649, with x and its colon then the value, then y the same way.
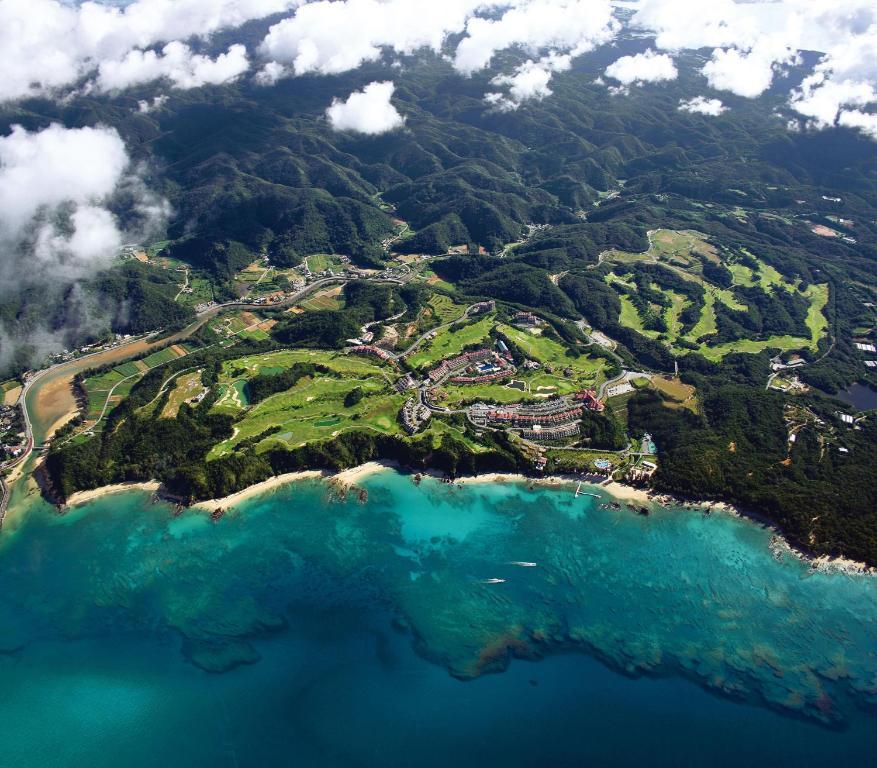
x: 13, y: 436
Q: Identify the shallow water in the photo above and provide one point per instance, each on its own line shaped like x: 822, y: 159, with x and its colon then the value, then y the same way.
x: 324, y: 611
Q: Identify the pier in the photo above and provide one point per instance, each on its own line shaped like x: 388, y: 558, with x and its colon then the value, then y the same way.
x: 580, y: 492
x: 4, y: 501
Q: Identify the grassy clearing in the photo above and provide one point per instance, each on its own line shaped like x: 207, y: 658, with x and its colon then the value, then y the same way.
x: 450, y: 342
x: 763, y: 275
x: 750, y: 346
x: 706, y: 325
x: 274, y: 362
x: 817, y: 322
x: 630, y: 317
x: 677, y: 394
x: 678, y: 303
x: 551, y: 353
x: 675, y: 246
x: 579, y: 460
x: 314, y: 410
x: 186, y: 387
x: 320, y: 262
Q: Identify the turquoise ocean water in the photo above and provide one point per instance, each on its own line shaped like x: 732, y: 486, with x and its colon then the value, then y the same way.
x: 311, y: 630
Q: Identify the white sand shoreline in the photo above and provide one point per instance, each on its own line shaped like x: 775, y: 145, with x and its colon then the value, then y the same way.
x: 619, y: 492
x: 82, y: 497
x: 271, y: 484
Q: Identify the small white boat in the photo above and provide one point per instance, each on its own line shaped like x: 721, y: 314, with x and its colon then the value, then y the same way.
x: 523, y: 564
x: 493, y: 581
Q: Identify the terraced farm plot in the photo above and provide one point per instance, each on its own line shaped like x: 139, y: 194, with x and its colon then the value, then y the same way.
x: 161, y: 357
x: 256, y: 334
x: 254, y: 272
x: 445, y: 308
x: 450, y: 342
x: 329, y: 298
x: 110, y: 387
x: 128, y: 369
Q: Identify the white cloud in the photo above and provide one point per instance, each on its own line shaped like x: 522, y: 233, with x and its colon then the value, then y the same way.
x: 49, y: 45
x: 144, y: 106
x: 56, y: 186
x: 368, y: 111
x: 648, y: 67
x: 866, y: 122
x: 746, y: 74
x: 574, y: 26
x: 530, y: 81
x: 700, y: 105
x: 271, y: 73
x: 175, y: 63
x: 332, y: 37
x: 754, y: 41
x: 329, y: 37
x: 844, y: 81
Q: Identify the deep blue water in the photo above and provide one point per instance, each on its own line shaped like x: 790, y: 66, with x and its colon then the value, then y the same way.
x: 860, y: 396
x: 349, y: 616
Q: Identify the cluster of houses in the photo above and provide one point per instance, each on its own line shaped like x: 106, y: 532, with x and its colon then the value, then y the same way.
x: 414, y: 415
x: 14, y: 439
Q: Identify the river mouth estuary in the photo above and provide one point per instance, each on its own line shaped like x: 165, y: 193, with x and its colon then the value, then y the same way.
x: 478, y: 624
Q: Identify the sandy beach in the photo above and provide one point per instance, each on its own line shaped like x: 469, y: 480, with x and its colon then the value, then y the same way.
x: 628, y: 492
x: 619, y: 491
x: 81, y: 497
x: 271, y: 484
x: 356, y: 474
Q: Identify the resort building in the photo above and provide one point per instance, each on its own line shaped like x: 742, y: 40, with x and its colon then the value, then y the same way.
x: 414, y: 415
x: 372, y: 351
x: 482, y: 308
x: 588, y: 397
x: 472, y: 368
x: 526, y: 319
x: 543, y: 434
